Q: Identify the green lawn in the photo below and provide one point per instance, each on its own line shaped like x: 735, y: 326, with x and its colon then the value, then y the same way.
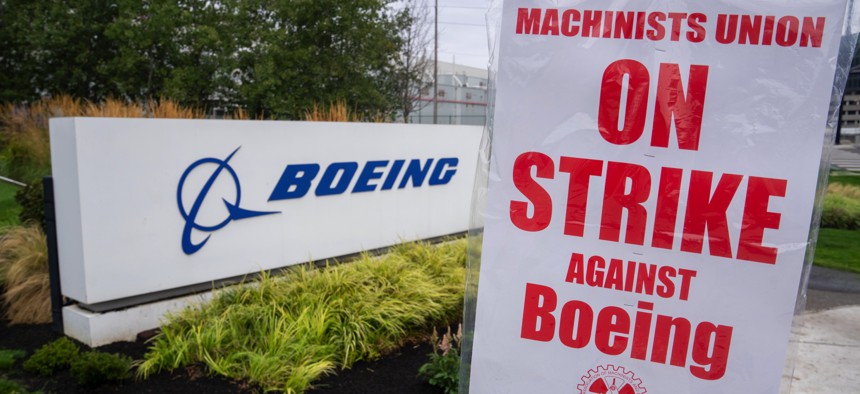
x: 845, y: 179
x: 838, y: 249
x: 8, y: 207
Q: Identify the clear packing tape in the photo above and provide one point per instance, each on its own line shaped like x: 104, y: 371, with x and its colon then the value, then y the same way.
x: 531, y: 67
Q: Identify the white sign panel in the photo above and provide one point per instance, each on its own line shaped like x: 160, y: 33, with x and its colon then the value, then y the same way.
x: 652, y: 182
x: 147, y: 205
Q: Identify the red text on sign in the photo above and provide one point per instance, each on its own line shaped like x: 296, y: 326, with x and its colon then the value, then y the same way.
x: 672, y: 103
x: 734, y: 29
x: 613, y: 332
x: 627, y: 188
x: 630, y: 276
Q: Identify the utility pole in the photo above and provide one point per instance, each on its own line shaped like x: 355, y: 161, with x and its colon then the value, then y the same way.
x: 436, y: 62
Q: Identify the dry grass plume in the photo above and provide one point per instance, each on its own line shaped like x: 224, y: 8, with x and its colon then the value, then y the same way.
x: 335, y: 112
x: 167, y: 109
x: 24, y: 273
x: 339, y: 112
x: 839, y: 189
x: 24, y: 127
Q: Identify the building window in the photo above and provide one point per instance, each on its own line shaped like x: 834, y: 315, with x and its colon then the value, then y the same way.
x: 468, y: 96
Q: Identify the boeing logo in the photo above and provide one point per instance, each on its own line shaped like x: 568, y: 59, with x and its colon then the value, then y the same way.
x: 233, y: 209
x: 299, y: 180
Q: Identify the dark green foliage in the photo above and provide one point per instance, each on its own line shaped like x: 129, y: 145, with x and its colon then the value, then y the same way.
x: 276, y: 58
x: 443, y: 371
x: 52, y: 357
x: 49, y: 46
x: 852, y: 179
x: 8, y: 358
x: 32, y: 202
x: 9, y: 209
x: 319, y: 51
x: 95, y: 367
x: 10, y: 387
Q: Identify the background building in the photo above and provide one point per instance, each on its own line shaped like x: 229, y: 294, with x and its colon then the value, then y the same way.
x: 850, y: 112
x: 462, y: 96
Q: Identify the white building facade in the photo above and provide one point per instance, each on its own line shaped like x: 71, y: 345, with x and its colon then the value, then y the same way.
x: 462, y: 97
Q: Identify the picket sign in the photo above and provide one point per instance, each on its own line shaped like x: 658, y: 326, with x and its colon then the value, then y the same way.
x: 652, y: 183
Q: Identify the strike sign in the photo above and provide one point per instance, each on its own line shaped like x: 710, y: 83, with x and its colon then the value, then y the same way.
x: 651, y: 190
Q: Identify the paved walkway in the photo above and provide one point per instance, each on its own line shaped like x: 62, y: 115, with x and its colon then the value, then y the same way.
x: 827, y: 337
x: 828, y: 350
x: 846, y: 158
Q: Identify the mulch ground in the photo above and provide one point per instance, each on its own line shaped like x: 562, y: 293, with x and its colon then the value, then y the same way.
x: 395, y: 373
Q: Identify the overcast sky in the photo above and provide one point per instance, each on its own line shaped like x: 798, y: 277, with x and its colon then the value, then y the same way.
x: 462, y: 31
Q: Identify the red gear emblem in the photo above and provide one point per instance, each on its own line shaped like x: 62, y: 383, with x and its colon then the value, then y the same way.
x: 609, y: 379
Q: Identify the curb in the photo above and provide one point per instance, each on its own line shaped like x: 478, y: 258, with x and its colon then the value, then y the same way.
x: 834, y: 280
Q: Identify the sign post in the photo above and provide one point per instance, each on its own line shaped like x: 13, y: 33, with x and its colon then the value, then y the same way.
x: 651, y: 189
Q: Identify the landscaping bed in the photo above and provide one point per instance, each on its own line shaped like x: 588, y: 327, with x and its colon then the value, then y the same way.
x: 361, y: 327
x: 394, y: 373
x: 32, y: 336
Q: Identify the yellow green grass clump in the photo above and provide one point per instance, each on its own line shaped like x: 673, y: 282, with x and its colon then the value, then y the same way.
x: 285, y: 332
x: 841, y: 207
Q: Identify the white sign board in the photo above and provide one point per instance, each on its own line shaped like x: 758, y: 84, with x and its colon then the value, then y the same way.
x: 651, y: 189
x: 147, y: 205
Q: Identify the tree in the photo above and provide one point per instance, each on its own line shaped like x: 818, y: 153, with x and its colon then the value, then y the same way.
x: 16, y: 73
x: 144, y: 33
x: 412, y: 62
x: 274, y: 57
x: 207, y: 37
x: 301, y: 52
x: 48, y: 46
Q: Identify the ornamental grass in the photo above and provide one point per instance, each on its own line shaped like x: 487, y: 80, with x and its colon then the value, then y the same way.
x: 283, y: 333
x: 26, y: 153
x: 841, y: 207
x: 339, y: 111
x: 24, y: 275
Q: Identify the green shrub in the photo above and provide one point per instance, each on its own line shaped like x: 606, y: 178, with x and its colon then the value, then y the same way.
x: 52, y: 357
x: 8, y: 358
x: 95, y: 367
x: 10, y: 387
x: 9, y: 209
x: 840, y: 212
x: 283, y: 333
x: 443, y: 369
x: 32, y: 202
